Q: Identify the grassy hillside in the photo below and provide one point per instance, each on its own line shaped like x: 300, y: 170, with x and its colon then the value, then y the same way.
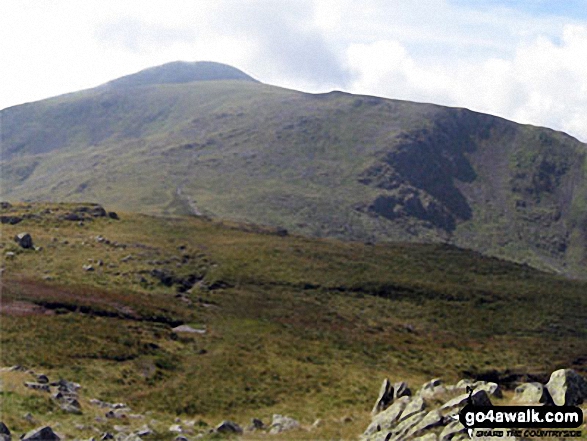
x: 329, y: 165
x: 299, y: 326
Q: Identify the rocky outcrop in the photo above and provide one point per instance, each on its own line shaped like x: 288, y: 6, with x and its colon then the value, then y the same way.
x: 41, y: 434
x: 431, y: 413
x: 567, y: 388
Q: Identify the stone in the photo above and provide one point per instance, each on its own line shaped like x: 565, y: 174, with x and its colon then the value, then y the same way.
x: 175, y: 428
x: 478, y: 398
x: 389, y: 417
x: 144, y: 431
x: 431, y: 419
x: 180, y: 438
x: 106, y: 436
x: 113, y: 215
x: 417, y: 404
x: 451, y: 429
x: 432, y: 389
x: 41, y: 434
x: 188, y: 329
x: 488, y: 386
x: 427, y: 437
x: 567, y: 387
x: 281, y: 423
x: 4, y: 432
x: 385, y: 397
x: 37, y: 386
x: 5, y: 205
x: 401, y: 389
x: 88, y: 267
x: 10, y: 220
x: 408, y: 424
x: 228, y: 427
x: 532, y: 393
x: 24, y: 240
x: 42, y: 378
x: 256, y: 424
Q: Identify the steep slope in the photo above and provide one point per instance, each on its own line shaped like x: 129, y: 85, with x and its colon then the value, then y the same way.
x: 334, y: 164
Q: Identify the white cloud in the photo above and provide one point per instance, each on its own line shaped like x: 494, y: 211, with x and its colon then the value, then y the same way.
x: 540, y: 83
x: 491, y: 58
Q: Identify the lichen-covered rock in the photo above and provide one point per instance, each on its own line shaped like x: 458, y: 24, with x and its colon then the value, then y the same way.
x: 432, y: 389
x: 385, y: 397
x: 567, y: 388
x: 388, y: 418
x: 488, y: 386
x: 228, y: 427
x: 532, y: 393
x: 477, y: 398
x: 401, y: 389
x: 41, y: 434
x: 281, y: 423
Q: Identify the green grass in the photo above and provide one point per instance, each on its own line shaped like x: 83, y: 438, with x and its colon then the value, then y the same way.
x: 302, y: 327
x: 297, y: 161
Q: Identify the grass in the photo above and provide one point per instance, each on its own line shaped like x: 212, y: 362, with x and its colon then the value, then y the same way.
x: 296, y: 326
x: 298, y: 161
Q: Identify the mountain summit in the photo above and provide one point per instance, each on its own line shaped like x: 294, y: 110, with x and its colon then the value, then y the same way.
x: 178, y: 72
x: 178, y: 139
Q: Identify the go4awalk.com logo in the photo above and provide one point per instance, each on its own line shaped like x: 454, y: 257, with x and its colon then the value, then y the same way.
x: 521, y: 421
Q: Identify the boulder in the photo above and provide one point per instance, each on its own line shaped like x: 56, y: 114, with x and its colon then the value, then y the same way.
x: 431, y: 419
x: 4, y: 432
x: 10, y: 220
x: 532, y: 393
x: 256, y: 424
x: 385, y: 397
x: 567, y: 388
x: 188, y: 329
x: 478, y: 398
x: 401, y: 389
x: 113, y: 215
x: 388, y: 418
x: 24, y: 240
x: 451, y: 430
x: 228, y: 427
x: 281, y: 423
x: 432, y: 389
x: 416, y: 405
x: 41, y: 434
x: 488, y: 386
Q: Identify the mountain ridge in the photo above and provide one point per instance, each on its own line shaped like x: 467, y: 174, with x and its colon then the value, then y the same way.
x: 328, y: 165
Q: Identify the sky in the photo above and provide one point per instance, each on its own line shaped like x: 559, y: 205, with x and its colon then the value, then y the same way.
x: 522, y: 60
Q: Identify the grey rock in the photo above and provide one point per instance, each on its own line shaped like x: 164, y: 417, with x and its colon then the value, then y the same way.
x: 37, y: 386
x: 228, y: 427
x: 567, y: 387
x: 24, y: 240
x: 281, y: 423
x: 188, y: 329
x: 427, y: 437
x: 401, y: 389
x: 415, y: 405
x: 180, y: 438
x: 106, y: 436
x: 451, y: 430
x: 478, y: 398
x: 256, y: 424
x: 431, y: 420
x: 144, y: 431
x: 488, y: 386
x: 407, y: 425
x: 532, y: 393
x: 41, y: 434
x: 4, y: 432
x: 388, y: 418
x: 432, y: 389
x: 385, y: 397
x: 88, y: 267
x: 42, y: 378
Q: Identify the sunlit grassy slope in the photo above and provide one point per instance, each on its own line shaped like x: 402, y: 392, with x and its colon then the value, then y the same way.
x: 326, y: 165
x: 300, y: 326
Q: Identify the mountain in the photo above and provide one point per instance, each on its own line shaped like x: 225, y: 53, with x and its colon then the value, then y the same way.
x: 202, y: 138
x: 282, y: 324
